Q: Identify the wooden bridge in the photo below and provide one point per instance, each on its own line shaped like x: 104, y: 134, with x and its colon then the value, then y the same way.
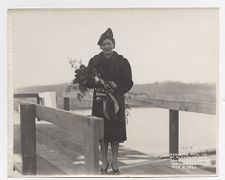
x: 88, y: 130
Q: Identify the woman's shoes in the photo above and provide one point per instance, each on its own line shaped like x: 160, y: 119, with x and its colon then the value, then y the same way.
x: 115, y: 171
x: 104, y: 170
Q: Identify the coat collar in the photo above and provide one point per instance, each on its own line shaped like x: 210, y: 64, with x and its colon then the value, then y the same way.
x: 114, y: 55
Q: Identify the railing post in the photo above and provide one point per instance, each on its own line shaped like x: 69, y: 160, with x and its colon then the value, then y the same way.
x: 173, y: 132
x: 38, y: 99
x: 91, y: 147
x: 41, y: 101
x: 28, y: 139
x: 66, y: 103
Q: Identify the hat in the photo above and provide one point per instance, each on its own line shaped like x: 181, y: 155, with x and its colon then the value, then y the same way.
x: 108, y: 34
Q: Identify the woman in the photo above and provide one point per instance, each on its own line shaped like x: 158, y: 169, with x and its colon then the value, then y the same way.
x: 113, y: 79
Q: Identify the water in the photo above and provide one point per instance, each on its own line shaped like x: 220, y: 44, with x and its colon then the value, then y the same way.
x: 148, y: 131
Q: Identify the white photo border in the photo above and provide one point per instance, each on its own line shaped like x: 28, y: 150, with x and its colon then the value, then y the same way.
x: 14, y: 4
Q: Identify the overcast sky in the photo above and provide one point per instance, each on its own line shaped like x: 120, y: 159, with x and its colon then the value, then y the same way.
x: 160, y: 44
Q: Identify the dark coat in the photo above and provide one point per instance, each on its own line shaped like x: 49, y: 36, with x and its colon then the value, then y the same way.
x: 116, y: 69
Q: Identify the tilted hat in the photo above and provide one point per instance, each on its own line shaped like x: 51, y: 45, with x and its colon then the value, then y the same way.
x: 106, y: 35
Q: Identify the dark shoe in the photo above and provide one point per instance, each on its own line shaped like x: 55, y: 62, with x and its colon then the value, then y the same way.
x: 104, y: 171
x: 115, y: 171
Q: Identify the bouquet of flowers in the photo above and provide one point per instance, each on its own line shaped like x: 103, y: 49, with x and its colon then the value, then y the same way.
x: 82, y: 75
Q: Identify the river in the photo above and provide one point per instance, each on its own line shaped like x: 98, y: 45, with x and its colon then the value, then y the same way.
x: 148, y: 131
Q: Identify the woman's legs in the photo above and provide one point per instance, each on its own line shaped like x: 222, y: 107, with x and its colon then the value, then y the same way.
x: 115, y: 149
x: 104, y: 151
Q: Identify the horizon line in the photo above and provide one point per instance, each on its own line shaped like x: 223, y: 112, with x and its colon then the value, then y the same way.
x: 166, y: 81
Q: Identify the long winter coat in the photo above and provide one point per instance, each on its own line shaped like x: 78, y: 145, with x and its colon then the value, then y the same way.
x: 117, y: 69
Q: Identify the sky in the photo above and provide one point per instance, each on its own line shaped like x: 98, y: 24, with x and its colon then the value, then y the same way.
x: 160, y: 44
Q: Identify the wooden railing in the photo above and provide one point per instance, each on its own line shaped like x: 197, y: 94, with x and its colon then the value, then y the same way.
x: 88, y: 129
x: 174, y: 106
x: 189, y: 106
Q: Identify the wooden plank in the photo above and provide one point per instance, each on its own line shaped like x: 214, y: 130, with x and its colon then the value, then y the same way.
x: 28, y: 139
x: 190, y: 106
x: 91, y: 145
x: 24, y: 95
x: 66, y: 101
x: 173, y: 132
x: 100, y: 125
x: 27, y: 95
x: 67, y: 120
x: 47, y: 168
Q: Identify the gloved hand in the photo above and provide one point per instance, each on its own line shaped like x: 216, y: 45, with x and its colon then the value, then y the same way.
x: 113, y: 84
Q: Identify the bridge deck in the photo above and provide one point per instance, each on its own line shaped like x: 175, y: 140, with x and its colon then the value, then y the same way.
x: 59, y: 155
